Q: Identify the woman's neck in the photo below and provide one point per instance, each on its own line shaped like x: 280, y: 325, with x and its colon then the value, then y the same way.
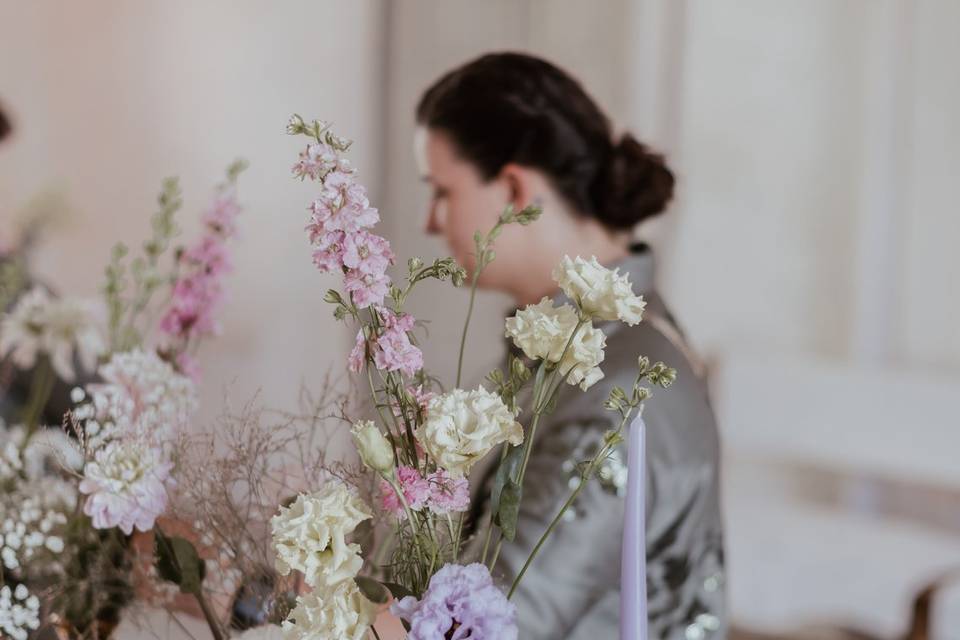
x: 588, y: 239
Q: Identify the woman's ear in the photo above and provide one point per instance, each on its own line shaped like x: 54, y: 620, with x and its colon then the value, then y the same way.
x: 519, y: 181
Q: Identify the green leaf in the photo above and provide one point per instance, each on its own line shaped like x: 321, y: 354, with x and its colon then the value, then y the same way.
x: 507, y: 470
x: 177, y: 561
x: 374, y: 591
x: 509, y: 510
x: 398, y: 590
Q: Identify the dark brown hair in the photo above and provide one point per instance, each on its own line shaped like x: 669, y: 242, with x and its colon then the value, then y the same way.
x: 513, y: 107
x: 5, y: 127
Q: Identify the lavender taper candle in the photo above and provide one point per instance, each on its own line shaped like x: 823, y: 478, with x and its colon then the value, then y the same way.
x: 633, y: 559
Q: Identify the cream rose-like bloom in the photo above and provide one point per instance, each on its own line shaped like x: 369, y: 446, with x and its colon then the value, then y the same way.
x: 310, y: 535
x: 340, y: 612
x: 461, y: 426
x: 602, y: 293
x: 373, y: 446
x: 542, y: 331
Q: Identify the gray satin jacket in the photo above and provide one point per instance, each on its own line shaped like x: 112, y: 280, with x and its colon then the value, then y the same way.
x: 572, y: 589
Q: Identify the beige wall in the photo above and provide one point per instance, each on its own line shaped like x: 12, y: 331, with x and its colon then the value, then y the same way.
x: 110, y: 97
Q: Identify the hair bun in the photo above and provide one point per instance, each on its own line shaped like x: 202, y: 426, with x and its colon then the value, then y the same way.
x: 5, y: 127
x: 635, y: 184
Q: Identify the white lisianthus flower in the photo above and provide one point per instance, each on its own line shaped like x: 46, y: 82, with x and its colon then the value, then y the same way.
x: 602, y: 293
x: 40, y: 324
x: 373, y: 446
x: 542, y: 331
x: 462, y: 426
x: 340, y: 612
x: 310, y: 535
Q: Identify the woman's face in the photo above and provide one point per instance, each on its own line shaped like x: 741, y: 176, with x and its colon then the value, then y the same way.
x: 461, y: 202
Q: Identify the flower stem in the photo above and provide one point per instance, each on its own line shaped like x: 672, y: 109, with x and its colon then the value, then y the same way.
x: 584, y: 478
x: 40, y: 388
x: 466, y: 325
x: 541, y: 402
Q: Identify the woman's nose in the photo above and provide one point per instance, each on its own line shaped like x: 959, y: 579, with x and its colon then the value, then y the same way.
x: 435, y: 216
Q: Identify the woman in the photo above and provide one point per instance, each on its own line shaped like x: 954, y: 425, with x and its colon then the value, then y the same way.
x: 513, y: 129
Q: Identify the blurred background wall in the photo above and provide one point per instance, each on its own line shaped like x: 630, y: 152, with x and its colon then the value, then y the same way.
x: 810, y: 252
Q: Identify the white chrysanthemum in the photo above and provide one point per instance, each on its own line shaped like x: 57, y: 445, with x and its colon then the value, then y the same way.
x: 19, y: 612
x: 602, y: 293
x: 461, y: 426
x: 542, y: 332
x: 39, y: 324
x: 340, y: 612
x: 310, y: 535
x: 141, y: 395
x: 126, y: 486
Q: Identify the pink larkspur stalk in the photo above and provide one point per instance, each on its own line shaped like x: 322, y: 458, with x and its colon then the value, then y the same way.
x: 339, y: 232
x: 198, y: 291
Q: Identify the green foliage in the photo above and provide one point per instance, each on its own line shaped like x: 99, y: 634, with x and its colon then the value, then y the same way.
x: 177, y: 561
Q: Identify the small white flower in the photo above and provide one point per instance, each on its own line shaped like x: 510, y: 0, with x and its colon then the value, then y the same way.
x: 19, y: 612
x: 601, y: 293
x: 340, y: 612
x: 462, y: 426
x: 310, y: 535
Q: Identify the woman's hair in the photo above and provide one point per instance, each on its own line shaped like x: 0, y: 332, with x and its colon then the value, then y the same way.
x: 512, y: 107
x: 5, y: 127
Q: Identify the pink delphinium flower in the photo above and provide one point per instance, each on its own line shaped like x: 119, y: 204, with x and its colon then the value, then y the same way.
x: 126, y: 486
x: 358, y: 354
x: 416, y: 491
x: 420, y: 396
x: 367, y: 253
x: 448, y: 494
x: 198, y: 291
x: 366, y: 289
x: 223, y: 212
x: 315, y: 161
x: 342, y: 206
x: 328, y: 251
x: 394, y: 350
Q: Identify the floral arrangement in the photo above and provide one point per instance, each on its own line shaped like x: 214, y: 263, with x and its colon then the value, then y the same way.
x: 419, y: 440
x: 248, y: 520
x: 72, y: 497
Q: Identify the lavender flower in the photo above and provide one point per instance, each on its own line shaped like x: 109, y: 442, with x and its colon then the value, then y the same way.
x: 461, y: 603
